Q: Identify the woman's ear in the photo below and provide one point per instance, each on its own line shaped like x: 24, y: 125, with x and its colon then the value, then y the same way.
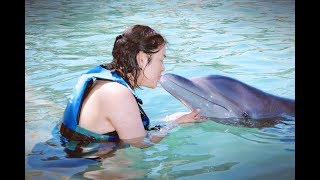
x: 142, y: 59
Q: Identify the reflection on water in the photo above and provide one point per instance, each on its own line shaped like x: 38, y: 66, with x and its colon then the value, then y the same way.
x: 203, y: 150
x: 250, y: 40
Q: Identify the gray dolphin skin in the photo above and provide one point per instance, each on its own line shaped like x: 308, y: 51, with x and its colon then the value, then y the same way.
x: 228, y: 101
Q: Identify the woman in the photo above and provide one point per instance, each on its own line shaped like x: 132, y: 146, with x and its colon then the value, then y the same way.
x: 104, y: 107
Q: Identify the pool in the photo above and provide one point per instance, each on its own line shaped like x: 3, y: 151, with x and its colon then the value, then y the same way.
x: 253, y: 41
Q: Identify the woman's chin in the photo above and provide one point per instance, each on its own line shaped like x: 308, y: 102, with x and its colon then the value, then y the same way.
x: 152, y: 86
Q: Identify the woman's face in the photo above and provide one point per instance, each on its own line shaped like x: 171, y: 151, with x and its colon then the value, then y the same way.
x: 151, y: 73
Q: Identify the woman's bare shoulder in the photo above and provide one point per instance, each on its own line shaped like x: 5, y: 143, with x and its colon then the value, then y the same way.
x: 115, y: 88
x: 121, y: 108
x: 113, y: 92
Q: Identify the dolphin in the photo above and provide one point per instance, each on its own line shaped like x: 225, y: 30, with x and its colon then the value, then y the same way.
x: 229, y: 101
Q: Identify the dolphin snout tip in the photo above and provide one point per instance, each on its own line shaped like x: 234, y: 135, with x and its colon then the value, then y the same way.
x: 163, y: 78
x: 166, y: 75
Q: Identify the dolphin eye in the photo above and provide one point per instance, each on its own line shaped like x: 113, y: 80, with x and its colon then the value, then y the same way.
x: 245, y: 114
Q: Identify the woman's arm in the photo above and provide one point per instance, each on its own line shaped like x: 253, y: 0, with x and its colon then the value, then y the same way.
x: 121, y: 109
x: 155, y: 136
x: 172, y: 121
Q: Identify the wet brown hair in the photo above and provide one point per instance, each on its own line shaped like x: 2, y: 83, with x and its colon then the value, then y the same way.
x: 126, y: 47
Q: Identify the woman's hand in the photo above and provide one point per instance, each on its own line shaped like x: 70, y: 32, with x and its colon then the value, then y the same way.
x: 172, y: 121
x: 186, y: 117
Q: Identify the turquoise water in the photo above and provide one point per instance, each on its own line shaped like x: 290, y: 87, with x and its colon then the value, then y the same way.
x: 252, y: 41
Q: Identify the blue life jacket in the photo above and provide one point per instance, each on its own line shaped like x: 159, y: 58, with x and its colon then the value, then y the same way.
x: 70, y: 128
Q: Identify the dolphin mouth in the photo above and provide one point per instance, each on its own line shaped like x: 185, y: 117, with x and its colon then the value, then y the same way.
x: 163, y: 80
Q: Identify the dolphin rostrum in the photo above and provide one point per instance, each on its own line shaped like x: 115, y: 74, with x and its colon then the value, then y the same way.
x: 228, y: 101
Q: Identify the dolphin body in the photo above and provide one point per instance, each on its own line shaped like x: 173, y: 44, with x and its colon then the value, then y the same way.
x: 229, y: 101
